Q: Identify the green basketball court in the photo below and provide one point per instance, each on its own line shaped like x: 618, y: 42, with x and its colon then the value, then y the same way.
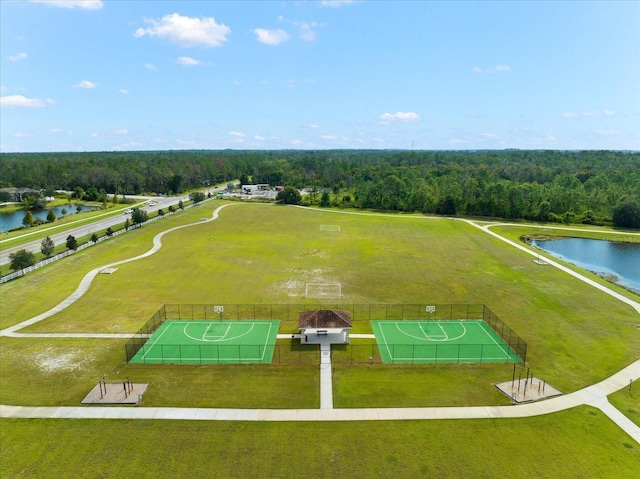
x: 210, y: 342
x: 426, y: 342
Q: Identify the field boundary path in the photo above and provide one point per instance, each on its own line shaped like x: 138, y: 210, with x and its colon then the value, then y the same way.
x: 595, y: 395
x: 85, y: 283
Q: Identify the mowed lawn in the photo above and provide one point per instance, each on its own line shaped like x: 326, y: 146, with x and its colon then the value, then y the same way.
x: 266, y: 254
x: 580, y: 443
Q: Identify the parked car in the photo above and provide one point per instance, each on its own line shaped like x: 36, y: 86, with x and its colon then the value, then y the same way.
x: 128, y: 211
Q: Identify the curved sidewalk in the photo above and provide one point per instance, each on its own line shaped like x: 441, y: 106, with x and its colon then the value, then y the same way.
x: 595, y: 396
x: 85, y: 283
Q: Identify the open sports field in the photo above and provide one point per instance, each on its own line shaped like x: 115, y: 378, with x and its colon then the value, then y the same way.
x: 210, y: 342
x: 440, y: 342
x: 260, y: 253
x: 267, y: 254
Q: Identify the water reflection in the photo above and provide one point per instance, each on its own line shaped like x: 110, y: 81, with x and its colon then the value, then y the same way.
x: 617, y: 261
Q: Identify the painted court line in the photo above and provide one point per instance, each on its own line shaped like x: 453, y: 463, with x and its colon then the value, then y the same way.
x: 496, y: 343
x: 482, y: 329
x: 150, y: 355
x: 154, y: 343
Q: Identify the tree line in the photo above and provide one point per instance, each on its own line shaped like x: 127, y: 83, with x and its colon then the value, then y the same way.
x: 592, y: 187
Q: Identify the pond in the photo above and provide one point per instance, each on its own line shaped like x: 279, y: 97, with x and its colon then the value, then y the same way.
x: 9, y: 221
x: 618, y: 262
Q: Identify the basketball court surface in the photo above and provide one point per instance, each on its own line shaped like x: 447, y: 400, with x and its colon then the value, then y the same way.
x: 210, y: 342
x: 451, y: 341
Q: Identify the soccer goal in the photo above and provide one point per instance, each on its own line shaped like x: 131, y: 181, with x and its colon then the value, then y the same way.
x: 335, y: 228
x: 323, y: 290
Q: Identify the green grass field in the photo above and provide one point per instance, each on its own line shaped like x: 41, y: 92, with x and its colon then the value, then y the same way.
x: 266, y: 254
x: 440, y: 342
x: 576, y: 444
x: 210, y: 342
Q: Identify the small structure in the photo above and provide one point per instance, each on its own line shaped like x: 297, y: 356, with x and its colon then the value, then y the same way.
x: 19, y: 193
x: 116, y: 391
x: 249, y: 189
x: 326, y: 326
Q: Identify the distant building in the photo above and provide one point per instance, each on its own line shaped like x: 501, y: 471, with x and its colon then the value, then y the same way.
x: 18, y: 193
x: 248, y: 189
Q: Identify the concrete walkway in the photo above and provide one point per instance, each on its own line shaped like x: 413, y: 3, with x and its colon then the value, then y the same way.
x: 85, y: 283
x: 326, y: 384
x: 486, y: 228
x: 595, y: 395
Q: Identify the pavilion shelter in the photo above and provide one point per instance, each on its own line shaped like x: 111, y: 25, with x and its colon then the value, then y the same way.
x: 326, y: 326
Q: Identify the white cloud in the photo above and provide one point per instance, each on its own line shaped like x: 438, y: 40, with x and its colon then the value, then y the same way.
x: 491, y: 136
x: 329, y: 137
x: 606, y: 132
x: 151, y: 66
x: 122, y: 131
x: 306, y: 32
x: 18, y: 57
x: 188, y: 62
x: 124, y: 91
x: 187, y: 31
x: 22, y: 101
x: 237, y: 134
x: 399, y: 116
x: 259, y: 138
x: 496, y: 69
x: 271, y: 37
x: 314, y: 126
x: 86, y: 84
x: 588, y: 114
x: 82, y: 4
x: 335, y: 3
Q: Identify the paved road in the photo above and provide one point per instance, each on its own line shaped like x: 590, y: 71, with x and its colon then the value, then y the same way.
x: 595, y: 395
x: 59, y: 233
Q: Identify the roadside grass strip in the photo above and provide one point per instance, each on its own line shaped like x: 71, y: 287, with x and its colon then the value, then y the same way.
x: 430, y: 342
x: 210, y: 342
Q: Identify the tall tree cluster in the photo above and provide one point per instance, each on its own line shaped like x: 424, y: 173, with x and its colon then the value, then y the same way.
x: 568, y: 186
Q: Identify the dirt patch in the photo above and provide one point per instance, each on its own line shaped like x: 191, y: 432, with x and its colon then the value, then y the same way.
x: 292, y: 288
x: 295, y: 287
x: 53, y: 360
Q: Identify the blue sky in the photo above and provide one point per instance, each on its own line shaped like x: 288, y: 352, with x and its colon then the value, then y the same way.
x: 161, y: 75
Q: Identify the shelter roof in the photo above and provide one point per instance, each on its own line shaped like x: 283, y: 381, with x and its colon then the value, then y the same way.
x: 324, y: 318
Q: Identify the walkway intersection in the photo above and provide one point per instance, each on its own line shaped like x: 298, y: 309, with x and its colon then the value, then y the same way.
x: 595, y: 395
